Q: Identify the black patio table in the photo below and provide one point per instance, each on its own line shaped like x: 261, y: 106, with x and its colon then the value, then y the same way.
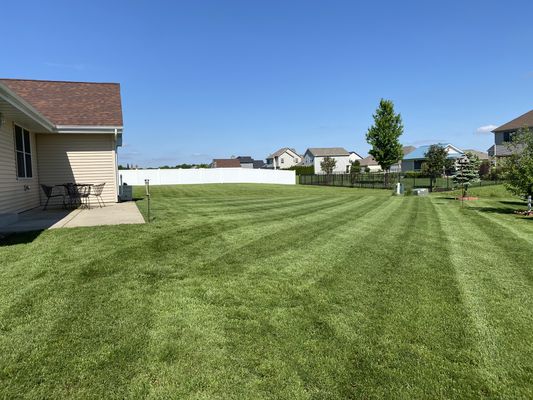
x: 76, y: 193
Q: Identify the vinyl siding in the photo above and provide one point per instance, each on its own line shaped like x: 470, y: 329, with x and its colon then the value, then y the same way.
x: 340, y: 167
x: 14, y: 198
x: 78, y: 158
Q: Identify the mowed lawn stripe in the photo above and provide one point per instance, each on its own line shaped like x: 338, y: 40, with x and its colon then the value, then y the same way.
x: 248, y: 309
x: 262, y: 291
x: 401, y: 338
x: 493, y: 277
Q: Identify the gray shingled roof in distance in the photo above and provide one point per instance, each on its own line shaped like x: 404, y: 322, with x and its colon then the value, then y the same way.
x: 245, y: 159
x: 408, y: 149
x: 259, y: 164
x: 481, y: 154
x: 369, y: 160
x: 517, y: 123
x: 328, y: 151
x: 281, y: 151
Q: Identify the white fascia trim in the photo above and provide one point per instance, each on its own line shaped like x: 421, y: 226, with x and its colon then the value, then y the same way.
x: 457, y: 149
x: 289, y: 151
x: 89, y: 129
x: 24, y: 107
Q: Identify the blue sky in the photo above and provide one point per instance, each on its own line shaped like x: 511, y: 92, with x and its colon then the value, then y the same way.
x: 204, y: 79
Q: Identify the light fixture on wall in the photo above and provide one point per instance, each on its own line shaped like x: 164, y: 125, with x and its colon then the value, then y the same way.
x: 2, y: 120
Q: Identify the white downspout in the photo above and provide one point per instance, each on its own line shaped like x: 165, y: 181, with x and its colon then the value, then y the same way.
x: 116, y: 166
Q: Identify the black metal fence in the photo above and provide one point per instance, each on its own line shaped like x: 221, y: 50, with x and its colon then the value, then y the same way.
x: 379, y: 180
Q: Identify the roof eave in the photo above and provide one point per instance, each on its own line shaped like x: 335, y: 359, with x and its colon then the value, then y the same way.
x: 20, y: 104
x: 109, y: 129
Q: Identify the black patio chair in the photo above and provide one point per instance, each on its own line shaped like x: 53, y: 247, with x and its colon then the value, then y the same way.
x: 96, y: 191
x: 49, y: 193
x: 78, y: 194
x: 73, y: 194
x: 84, y: 192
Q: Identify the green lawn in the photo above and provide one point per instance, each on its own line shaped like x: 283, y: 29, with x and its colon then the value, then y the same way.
x: 258, y: 291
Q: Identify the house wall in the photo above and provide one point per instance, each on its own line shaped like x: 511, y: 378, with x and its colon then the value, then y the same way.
x: 498, y: 138
x: 340, y: 167
x: 309, y: 159
x: 354, y: 157
x: 408, y: 165
x: 371, y: 168
x: 16, y: 194
x: 287, y: 160
x: 78, y: 158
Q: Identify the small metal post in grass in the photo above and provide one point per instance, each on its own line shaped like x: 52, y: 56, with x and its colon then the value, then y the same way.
x: 147, y: 186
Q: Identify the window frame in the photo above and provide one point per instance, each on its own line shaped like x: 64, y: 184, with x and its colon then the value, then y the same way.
x: 508, y: 136
x: 23, y: 152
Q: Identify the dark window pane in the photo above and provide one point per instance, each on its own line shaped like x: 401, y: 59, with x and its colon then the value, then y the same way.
x: 20, y: 165
x: 28, y: 166
x: 27, y: 147
x: 18, y: 137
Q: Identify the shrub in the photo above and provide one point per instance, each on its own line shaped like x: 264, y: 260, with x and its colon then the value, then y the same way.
x: 303, y: 169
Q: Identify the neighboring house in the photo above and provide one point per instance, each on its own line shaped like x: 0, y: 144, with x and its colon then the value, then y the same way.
x: 369, y: 164
x: 54, y: 132
x: 414, y: 160
x: 315, y: 155
x: 246, y: 161
x: 225, y: 163
x: 283, y: 158
x: 373, y: 166
x: 503, y: 135
x: 258, y: 164
x: 481, y: 154
x: 354, y: 156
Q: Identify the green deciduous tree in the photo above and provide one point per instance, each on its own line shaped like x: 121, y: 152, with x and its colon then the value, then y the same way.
x: 355, y: 167
x: 384, y: 135
x: 467, y: 172
x: 519, y: 166
x: 436, y: 163
x: 328, y: 165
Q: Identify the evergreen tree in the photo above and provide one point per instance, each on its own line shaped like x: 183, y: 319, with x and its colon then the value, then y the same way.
x: 467, y: 172
x: 384, y: 135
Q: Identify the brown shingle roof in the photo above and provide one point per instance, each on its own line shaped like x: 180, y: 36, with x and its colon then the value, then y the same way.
x: 328, y: 151
x: 517, y: 123
x: 71, y: 103
x: 226, y: 163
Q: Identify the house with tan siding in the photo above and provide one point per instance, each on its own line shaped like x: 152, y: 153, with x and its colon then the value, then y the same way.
x: 54, y: 132
x: 284, y: 158
x: 503, y: 136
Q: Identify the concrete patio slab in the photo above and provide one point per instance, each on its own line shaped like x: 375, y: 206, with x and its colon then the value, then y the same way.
x: 112, y: 214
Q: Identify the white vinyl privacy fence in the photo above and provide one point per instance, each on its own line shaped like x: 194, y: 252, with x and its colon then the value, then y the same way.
x: 206, y: 175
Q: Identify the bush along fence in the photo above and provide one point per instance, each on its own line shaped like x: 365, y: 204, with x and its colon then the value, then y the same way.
x: 379, y: 180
